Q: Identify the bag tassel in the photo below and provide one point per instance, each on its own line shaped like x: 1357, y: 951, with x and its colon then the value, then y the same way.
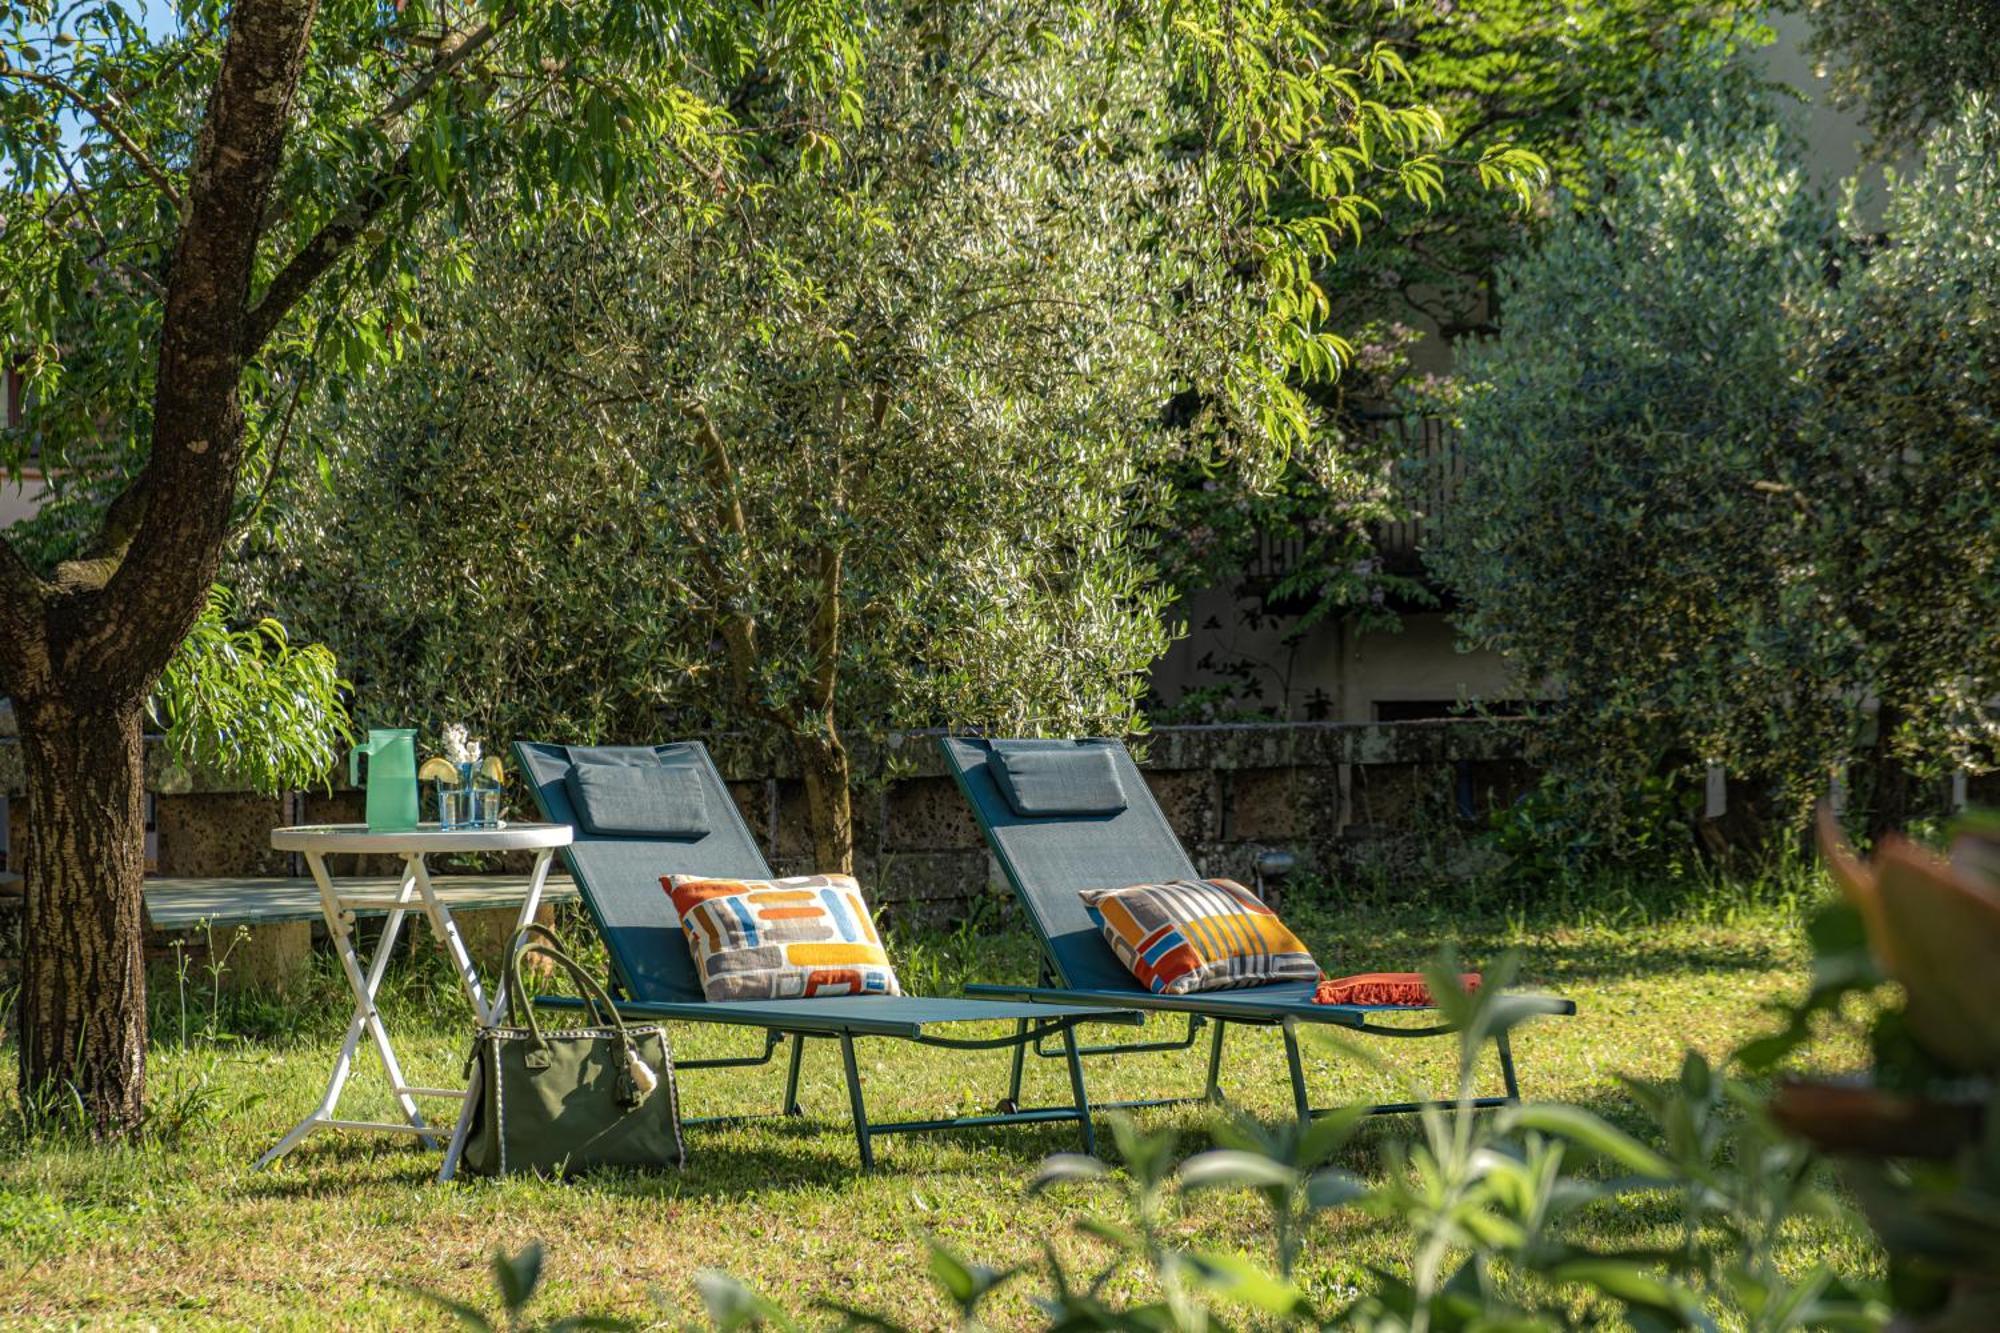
x: 644, y: 1080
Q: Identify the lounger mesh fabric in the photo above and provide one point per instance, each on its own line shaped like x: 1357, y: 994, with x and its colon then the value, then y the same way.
x: 1197, y: 935
x: 619, y: 881
x: 1055, y: 860
x: 781, y: 939
x: 640, y: 930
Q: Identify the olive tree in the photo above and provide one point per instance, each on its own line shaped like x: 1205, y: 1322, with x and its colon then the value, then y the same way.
x: 1898, y: 485
x: 1610, y: 535
x: 861, y: 452
x: 863, y: 449
x: 1730, y: 480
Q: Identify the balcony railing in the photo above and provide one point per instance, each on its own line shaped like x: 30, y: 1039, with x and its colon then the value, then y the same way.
x: 1424, y: 465
x: 1427, y: 470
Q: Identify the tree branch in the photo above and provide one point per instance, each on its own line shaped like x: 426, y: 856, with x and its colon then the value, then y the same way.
x: 106, y: 551
x: 116, y: 640
x: 339, y: 235
x: 739, y: 627
x: 101, y: 113
x: 451, y: 53
x: 823, y: 638
x: 23, y: 648
x: 320, y: 253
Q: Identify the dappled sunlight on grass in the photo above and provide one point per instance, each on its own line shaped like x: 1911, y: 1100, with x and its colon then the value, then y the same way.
x: 189, y: 1232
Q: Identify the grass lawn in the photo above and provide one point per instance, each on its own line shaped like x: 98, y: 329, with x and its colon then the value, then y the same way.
x: 180, y: 1231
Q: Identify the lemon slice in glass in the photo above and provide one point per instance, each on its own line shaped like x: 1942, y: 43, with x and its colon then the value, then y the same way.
x: 437, y: 768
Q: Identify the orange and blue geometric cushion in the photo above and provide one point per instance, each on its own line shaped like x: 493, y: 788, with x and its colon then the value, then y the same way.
x: 1198, y: 935
x: 781, y: 939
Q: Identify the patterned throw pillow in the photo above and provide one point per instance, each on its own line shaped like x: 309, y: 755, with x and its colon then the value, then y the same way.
x: 781, y: 939
x: 1197, y: 935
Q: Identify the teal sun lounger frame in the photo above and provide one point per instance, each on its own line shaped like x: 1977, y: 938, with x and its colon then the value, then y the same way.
x: 1049, y: 860
x: 654, y: 975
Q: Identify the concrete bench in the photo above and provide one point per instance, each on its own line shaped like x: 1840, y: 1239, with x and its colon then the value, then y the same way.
x: 279, y: 912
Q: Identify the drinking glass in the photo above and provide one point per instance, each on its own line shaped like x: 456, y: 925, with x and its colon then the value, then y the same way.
x: 485, y: 807
x: 454, y: 807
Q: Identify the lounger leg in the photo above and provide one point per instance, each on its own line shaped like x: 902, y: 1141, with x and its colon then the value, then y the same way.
x: 1076, y: 1089
x: 1013, y: 1102
x: 792, y: 1074
x: 1214, y: 1090
x: 1300, y: 1102
x: 1507, y: 1067
x: 854, y: 1104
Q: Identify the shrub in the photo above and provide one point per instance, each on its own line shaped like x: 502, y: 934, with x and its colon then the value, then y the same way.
x: 1730, y: 481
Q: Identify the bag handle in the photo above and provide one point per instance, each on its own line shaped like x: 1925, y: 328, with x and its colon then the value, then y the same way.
x: 635, y: 1078
x: 538, y: 939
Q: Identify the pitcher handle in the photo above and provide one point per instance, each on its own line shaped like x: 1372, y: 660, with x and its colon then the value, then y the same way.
x: 354, y: 763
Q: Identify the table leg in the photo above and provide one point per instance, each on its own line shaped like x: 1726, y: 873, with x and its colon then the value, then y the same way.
x: 447, y: 933
x: 495, y: 1013
x: 366, y: 1018
x: 391, y: 929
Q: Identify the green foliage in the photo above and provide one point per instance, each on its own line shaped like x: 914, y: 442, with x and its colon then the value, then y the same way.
x: 246, y: 704
x: 1489, y: 1206
x: 1733, y: 513
x: 405, y: 111
x: 1554, y: 79
x: 1557, y: 81
x: 1900, y: 465
x: 1913, y: 1136
x: 1548, y: 838
x: 1906, y: 63
x: 874, y: 431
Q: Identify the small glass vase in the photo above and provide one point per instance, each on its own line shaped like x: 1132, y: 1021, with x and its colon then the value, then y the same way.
x: 485, y: 806
x: 472, y: 803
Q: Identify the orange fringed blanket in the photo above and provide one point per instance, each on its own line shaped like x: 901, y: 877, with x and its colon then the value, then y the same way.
x: 1384, y: 988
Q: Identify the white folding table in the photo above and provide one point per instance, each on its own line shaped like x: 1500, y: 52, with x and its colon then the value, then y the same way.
x: 414, y: 892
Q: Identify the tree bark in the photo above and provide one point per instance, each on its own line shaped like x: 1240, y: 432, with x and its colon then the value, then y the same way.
x: 829, y: 797
x: 80, y: 650
x: 83, y: 984
x: 1891, y: 793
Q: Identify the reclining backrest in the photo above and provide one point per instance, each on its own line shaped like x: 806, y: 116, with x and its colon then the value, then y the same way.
x: 1051, y: 858
x: 618, y: 875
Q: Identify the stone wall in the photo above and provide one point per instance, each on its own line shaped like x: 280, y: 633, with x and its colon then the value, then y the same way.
x: 1334, y: 794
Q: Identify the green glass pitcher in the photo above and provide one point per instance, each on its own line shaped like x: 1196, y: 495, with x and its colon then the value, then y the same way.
x: 392, y: 778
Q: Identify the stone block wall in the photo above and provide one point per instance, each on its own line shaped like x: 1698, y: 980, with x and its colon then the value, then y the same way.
x: 1337, y: 795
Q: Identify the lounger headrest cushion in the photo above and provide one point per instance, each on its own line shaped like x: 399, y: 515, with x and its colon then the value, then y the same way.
x: 623, y: 792
x: 1040, y: 779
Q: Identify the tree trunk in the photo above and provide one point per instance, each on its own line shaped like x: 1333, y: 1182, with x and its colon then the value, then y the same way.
x: 80, y: 649
x: 829, y: 797
x: 83, y: 984
x: 1891, y: 794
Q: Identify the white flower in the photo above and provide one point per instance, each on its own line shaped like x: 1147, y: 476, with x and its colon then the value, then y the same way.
x: 456, y: 747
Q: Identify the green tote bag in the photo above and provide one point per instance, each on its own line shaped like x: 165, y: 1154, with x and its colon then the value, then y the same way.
x: 570, y: 1100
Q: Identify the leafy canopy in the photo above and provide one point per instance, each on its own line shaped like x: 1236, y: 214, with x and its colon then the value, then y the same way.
x: 873, y: 434
x: 1729, y: 479
x: 402, y: 111
x: 1906, y: 63
x: 1555, y: 80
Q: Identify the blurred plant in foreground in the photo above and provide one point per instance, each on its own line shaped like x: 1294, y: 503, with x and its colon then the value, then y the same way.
x: 1915, y: 948
x: 1489, y: 1203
